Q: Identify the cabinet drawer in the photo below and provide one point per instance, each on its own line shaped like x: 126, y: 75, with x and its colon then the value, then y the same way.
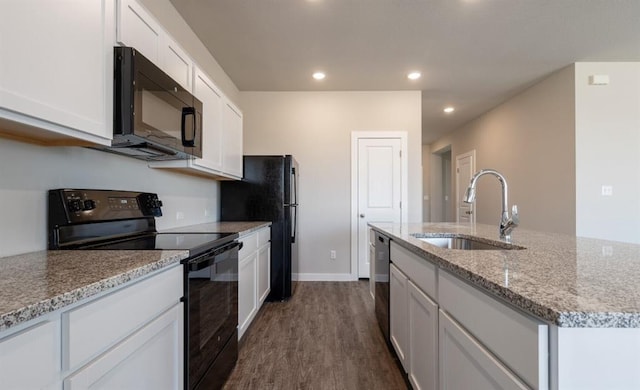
x: 96, y: 326
x: 264, y: 236
x: 249, y: 245
x: 519, y: 341
x: 421, y: 272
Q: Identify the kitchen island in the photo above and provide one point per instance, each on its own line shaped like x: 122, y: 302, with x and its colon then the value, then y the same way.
x: 579, y: 296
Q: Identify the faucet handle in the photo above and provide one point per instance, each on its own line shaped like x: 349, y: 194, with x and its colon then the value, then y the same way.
x: 515, y: 217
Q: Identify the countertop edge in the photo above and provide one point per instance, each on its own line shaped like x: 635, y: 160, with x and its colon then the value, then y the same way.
x: 518, y: 301
x: 30, y: 312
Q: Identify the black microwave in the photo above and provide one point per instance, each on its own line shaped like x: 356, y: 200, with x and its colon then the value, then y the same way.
x: 154, y: 117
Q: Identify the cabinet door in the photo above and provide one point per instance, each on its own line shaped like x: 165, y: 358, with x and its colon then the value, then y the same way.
x: 31, y: 358
x: 176, y: 63
x: 58, y: 76
x: 399, y: 315
x: 466, y: 364
x: 247, y: 292
x: 152, y: 358
x: 232, y: 140
x: 423, y: 340
x: 264, y: 273
x: 211, y: 99
x: 138, y: 29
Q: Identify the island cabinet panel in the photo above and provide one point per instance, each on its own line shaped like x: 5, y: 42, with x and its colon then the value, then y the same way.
x: 595, y: 358
x: 466, y: 364
x: 399, y: 315
x: 56, y: 70
x: 423, y: 340
x: 151, y: 358
x: 519, y: 341
x: 30, y: 359
x: 422, y: 272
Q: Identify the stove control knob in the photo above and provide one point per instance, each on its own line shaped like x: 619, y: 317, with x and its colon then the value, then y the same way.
x: 89, y: 205
x: 75, y: 205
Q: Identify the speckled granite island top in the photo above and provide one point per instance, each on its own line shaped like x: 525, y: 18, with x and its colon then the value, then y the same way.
x: 38, y: 283
x: 243, y: 228
x: 568, y: 281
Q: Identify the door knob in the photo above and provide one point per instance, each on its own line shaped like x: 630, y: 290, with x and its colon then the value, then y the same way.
x: 468, y: 212
x: 361, y: 215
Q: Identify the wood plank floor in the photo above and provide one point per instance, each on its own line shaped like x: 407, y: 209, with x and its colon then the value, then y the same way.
x: 325, y: 337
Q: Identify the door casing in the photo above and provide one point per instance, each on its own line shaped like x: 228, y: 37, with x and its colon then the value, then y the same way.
x: 355, y: 136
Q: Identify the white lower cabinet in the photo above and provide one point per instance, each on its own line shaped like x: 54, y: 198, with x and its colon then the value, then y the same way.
x: 414, y: 330
x: 264, y: 272
x: 449, y: 334
x: 30, y: 359
x: 151, y: 358
x: 466, y: 364
x: 254, y: 276
x: 247, y: 292
x: 399, y: 315
x: 129, y: 338
x: 423, y: 340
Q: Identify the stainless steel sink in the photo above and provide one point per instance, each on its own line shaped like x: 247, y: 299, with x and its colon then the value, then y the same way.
x: 463, y: 243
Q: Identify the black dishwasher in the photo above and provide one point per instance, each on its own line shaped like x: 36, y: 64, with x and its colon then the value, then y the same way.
x: 382, y: 282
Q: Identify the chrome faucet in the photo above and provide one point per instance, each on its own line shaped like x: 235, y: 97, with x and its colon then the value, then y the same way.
x: 507, y: 224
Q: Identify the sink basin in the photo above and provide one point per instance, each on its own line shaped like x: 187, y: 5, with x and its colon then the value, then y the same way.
x: 464, y: 243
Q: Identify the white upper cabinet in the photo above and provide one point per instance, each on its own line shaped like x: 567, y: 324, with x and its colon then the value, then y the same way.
x: 211, y: 99
x: 56, y: 70
x: 177, y: 63
x: 232, y: 140
x: 138, y: 29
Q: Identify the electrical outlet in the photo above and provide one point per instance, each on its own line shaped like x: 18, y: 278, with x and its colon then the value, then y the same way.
x: 179, y: 215
x: 607, y: 191
x: 332, y: 254
x: 206, y: 212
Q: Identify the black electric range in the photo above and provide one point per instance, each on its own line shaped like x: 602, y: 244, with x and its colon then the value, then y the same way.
x: 125, y: 220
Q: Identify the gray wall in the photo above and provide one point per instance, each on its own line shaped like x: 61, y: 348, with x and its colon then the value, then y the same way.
x: 28, y: 171
x: 608, y: 151
x: 530, y: 139
x: 316, y: 128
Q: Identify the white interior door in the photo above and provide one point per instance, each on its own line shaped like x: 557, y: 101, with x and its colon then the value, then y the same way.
x: 465, y: 168
x: 379, y: 189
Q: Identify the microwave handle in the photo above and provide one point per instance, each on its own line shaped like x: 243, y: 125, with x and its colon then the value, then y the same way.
x: 186, y: 111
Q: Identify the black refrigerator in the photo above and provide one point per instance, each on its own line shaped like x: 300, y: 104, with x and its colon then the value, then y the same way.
x: 268, y: 191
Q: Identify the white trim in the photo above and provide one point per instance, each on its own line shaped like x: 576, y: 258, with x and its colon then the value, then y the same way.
x: 404, y: 185
x: 322, y: 277
x: 473, y: 170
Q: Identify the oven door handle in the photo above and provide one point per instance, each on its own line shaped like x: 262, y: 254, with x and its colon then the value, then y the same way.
x: 208, y: 259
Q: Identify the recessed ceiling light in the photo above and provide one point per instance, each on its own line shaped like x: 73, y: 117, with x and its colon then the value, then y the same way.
x: 414, y: 75
x: 319, y: 75
x: 449, y: 110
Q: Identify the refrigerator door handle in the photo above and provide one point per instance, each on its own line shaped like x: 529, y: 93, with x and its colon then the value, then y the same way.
x: 294, y: 210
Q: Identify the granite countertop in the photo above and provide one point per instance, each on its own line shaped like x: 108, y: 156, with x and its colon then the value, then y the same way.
x: 565, y: 280
x: 243, y: 228
x: 38, y: 283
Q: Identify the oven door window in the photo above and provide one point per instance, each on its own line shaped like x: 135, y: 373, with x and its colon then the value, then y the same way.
x: 213, y: 313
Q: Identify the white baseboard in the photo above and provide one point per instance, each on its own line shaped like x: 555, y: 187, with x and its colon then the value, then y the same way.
x: 322, y: 277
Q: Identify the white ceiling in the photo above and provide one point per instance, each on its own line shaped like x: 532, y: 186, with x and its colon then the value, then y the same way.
x: 473, y: 54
